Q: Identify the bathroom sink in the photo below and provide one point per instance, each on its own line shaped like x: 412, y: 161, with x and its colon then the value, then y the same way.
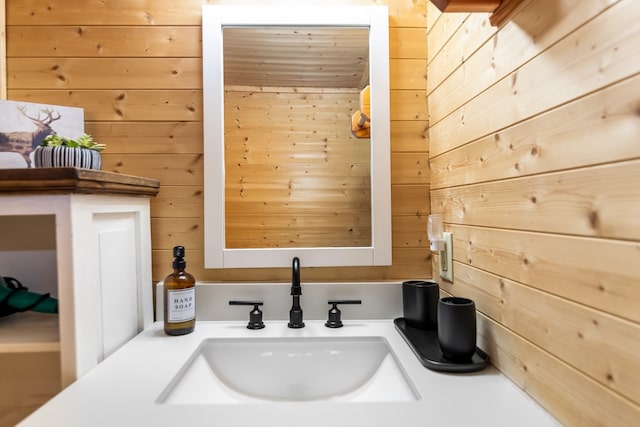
x: 244, y: 370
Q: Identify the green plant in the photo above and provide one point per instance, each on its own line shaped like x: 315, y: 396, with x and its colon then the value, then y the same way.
x: 83, y: 141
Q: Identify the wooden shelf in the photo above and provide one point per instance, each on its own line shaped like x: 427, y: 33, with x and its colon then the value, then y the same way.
x: 29, y: 332
x: 73, y: 180
x: 466, y: 5
x: 504, y: 11
x: 500, y: 10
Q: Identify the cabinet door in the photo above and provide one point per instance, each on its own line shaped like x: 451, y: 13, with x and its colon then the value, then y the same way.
x: 117, y: 258
x: 112, y: 277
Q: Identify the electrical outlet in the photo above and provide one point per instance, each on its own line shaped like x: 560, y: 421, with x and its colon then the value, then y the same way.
x: 446, y: 258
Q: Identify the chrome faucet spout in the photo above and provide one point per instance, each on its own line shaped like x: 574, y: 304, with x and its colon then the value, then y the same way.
x: 295, y: 314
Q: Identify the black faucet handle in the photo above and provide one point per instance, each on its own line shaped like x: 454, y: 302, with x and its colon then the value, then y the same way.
x: 255, y: 315
x: 335, y: 320
x: 344, y: 301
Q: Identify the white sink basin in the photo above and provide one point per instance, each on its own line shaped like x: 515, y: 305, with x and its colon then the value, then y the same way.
x: 241, y: 370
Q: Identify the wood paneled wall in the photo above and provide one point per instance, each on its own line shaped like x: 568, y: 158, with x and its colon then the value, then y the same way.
x: 3, y: 52
x: 535, y: 165
x: 136, y: 69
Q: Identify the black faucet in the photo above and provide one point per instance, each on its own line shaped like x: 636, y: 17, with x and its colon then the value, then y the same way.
x: 295, y: 314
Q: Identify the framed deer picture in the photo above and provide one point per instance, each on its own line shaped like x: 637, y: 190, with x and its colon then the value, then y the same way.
x: 23, y: 126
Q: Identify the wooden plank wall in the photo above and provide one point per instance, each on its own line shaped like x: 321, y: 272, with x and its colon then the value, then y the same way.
x: 3, y: 52
x: 135, y: 67
x: 535, y: 165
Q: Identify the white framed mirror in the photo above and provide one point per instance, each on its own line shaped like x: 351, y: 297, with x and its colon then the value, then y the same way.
x: 240, y: 223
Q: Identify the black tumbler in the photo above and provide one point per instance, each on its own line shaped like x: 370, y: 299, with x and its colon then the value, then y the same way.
x: 420, y: 303
x: 457, y: 328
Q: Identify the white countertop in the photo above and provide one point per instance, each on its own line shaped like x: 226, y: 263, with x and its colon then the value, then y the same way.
x: 122, y: 390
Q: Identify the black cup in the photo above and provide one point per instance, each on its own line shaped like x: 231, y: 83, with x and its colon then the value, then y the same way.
x: 420, y: 303
x: 457, y: 328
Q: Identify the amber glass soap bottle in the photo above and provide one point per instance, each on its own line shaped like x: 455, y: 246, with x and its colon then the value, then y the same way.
x: 179, y: 297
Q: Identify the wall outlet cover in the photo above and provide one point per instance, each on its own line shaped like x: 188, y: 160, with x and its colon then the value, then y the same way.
x: 446, y: 258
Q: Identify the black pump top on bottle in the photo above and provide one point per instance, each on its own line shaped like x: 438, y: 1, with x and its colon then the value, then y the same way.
x: 178, y: 261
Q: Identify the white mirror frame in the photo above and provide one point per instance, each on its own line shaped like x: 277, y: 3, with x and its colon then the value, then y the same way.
x: 214, y: 18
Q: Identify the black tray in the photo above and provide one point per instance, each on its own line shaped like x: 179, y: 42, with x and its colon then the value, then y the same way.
x: 424, y: 343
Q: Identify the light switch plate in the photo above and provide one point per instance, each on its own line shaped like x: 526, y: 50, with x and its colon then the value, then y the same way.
x: 446, y: 258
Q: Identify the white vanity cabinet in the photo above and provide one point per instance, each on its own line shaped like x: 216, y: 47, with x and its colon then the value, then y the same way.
x: 99, y: 266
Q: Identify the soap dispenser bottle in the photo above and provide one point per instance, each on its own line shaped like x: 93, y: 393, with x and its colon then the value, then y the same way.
x: 179, y: 297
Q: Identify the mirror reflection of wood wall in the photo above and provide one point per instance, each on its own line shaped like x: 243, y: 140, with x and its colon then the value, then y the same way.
x: 295, y: 177
x: 294, y: 174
